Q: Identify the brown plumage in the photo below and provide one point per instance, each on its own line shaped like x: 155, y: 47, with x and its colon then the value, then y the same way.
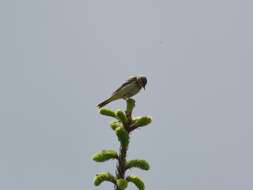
x: 128, y: 89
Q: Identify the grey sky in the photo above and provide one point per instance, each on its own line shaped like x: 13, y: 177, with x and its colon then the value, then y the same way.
x: 60, y: 58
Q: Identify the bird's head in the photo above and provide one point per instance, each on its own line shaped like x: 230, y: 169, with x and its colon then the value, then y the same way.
x: 142, y: 80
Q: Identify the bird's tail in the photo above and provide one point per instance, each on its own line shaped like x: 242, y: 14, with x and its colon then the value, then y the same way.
x: 107, y: 101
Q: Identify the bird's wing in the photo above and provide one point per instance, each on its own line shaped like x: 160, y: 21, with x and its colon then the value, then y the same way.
x: 130, y: 79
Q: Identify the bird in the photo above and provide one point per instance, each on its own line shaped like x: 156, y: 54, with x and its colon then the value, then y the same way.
x: 128, y: 89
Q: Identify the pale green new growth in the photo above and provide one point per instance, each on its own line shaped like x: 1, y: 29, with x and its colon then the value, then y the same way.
x: 130, y: 105
x: 136, y: 181
x: 107, y: 112
x: 124, y: 125
x: 142, y: 164
x: 104, y: 176
x: 122, y: 184
x: 105, y: 155
x: 115, y: 124
x: 122, y: 135
x: 121, y: 116
x: 142, y: 121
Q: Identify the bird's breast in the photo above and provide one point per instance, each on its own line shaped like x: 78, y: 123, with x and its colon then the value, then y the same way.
x: 130, y: 90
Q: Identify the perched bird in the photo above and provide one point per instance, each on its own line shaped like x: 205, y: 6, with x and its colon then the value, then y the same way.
x: 128, y: 89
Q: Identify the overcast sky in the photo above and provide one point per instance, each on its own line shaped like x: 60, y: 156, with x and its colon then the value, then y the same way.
x: 60, y: 58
